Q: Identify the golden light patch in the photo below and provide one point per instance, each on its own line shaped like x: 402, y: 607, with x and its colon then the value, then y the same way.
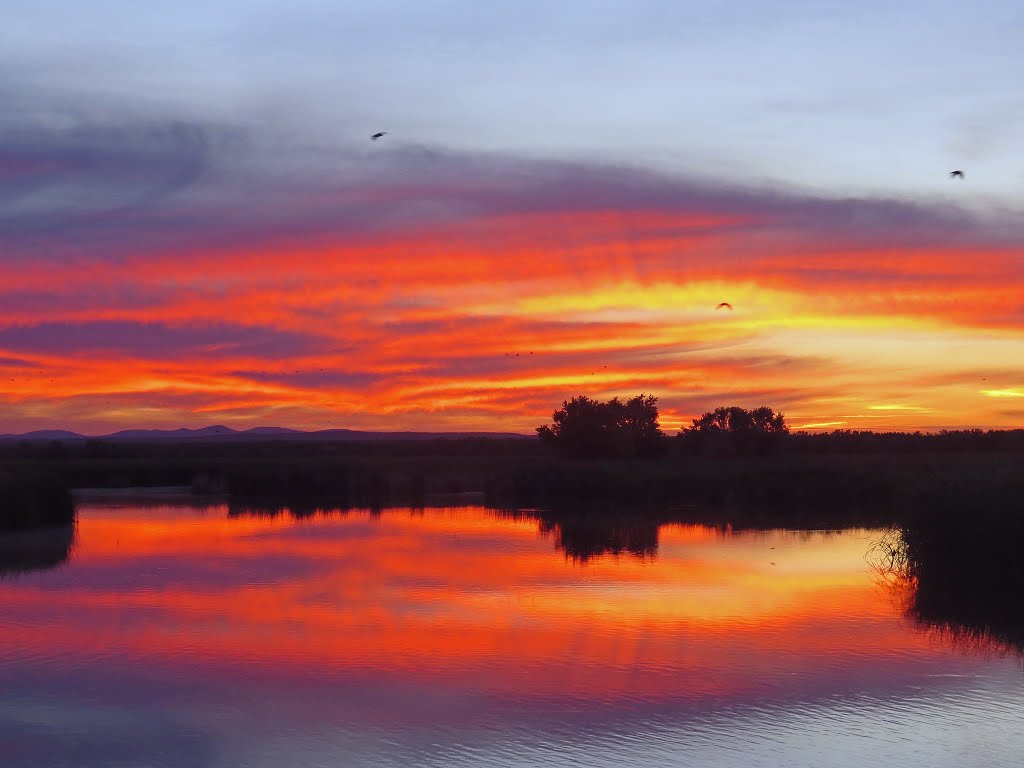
x: 898, y: 407
x: 1003, y: 392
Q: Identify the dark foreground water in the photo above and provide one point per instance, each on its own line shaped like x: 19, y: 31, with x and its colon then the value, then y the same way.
x: 175, y: 636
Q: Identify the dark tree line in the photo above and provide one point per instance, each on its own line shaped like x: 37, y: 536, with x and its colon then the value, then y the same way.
x: 586, y: 428
x: 944, y: 441
x: 590, y: 429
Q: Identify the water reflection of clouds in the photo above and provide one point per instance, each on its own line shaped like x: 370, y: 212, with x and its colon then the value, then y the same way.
x: 36, y: 733
x: 162, y: 572
x: 423, y: 627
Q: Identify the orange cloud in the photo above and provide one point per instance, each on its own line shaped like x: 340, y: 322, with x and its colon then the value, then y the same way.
x: 490, y: 315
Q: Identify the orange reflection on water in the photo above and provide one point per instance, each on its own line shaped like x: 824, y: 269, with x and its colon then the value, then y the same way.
x: 464, y: 596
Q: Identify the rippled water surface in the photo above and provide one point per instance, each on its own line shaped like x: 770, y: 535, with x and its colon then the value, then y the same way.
x: 176, y: 636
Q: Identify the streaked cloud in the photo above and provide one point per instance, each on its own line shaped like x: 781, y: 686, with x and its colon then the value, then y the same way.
x: 163, y: 271
x: 154, y: 341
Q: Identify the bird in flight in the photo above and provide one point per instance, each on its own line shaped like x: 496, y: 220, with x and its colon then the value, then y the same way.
x: 725, y: 304
x: 378, y: 135
x: 956, y: 174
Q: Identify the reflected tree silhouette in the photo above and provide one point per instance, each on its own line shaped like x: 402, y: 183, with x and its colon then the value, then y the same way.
x: 584, y: 540
x: 35, y: 550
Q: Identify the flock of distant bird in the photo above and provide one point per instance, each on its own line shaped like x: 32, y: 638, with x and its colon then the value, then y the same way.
x: 958, y: 174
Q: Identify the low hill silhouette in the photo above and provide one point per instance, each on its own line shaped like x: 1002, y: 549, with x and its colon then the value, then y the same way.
x: 221, y: 432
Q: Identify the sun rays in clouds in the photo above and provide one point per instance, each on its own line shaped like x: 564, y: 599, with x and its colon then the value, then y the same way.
x: 442, y: 291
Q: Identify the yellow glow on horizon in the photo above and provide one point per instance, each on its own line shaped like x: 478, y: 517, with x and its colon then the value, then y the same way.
x: 1003, y: 392
x: 898, y: 407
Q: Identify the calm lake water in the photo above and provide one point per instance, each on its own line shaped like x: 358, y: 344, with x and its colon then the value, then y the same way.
x: 177, y: 636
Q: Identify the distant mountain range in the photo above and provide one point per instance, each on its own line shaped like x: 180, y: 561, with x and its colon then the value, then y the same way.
x: 221, y: 432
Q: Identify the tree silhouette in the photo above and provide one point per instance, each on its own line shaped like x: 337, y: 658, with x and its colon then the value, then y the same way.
x: 735, y: 419
x: 590, y: 429
x: 732, y: 429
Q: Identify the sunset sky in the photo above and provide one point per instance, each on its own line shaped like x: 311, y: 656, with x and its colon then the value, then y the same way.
x: 195, y: 227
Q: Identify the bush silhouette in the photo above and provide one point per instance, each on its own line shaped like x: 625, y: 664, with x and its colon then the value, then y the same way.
x: 590, y: 429
x: 735, y: 430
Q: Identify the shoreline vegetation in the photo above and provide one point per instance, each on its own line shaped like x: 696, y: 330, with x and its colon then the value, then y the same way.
x: 35, y: 486
x: 601, y: 479
x: 599, y: 457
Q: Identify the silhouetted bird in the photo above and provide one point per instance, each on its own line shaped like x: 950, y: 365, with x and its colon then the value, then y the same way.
x: 378, y: 135
x: 956, y: 174
x: 725, y: 304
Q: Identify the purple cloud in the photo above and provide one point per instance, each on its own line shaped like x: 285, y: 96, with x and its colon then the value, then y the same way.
x: 158, y: 341
x: 104, y: 191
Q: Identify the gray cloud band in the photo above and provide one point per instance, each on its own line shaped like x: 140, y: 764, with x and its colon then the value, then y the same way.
x: 109, y: 190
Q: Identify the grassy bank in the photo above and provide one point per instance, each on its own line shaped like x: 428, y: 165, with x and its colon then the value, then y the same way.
x: 810, y: 489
